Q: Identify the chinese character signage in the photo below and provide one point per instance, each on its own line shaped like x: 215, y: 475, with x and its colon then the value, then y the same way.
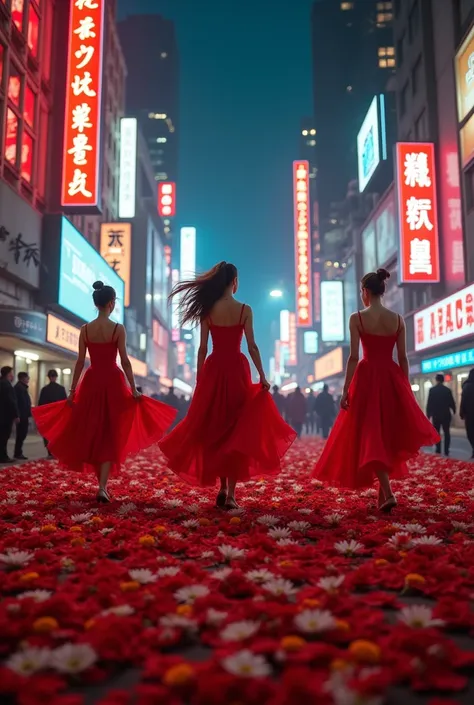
x: 292, y: 343
x: 465, y: 358
x: 62, y: 334
x: 464, y: 69
x: 418, y: 215
x: 81, y: 157
x: 302, y: 207
x: 450, y: 319
x: 166, y: 199
x: 116, y: 249
x: 20, y: 238
x: 332, y: 312
x: 128, y: 167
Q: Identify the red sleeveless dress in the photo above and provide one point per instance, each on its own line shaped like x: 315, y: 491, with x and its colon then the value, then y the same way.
x: 105, y: 423
x: 233, y: 428
x: 383, y: 427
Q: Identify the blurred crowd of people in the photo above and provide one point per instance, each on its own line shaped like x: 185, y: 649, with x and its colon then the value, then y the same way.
x: 312, y: 414
x: 180, y: 403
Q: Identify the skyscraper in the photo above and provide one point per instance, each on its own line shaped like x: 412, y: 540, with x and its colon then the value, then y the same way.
x: 353, y: 59
x: 152, y: 91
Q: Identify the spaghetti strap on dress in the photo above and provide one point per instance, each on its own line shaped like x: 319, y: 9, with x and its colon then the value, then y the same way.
x: 233, y: 427
x: 105, y: 423
x: 383, y: 426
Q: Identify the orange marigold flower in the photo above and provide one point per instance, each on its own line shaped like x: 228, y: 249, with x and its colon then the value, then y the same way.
x: 129, y: 586
x: 26, y: 577
x: 235, y: 520
x: 414, y: 580
x: 204, y: 521
x: 184, y: 610
x: 78, y: 541
x: 146, y: 540
x: 75, y: 529
x: 342, y: 625
x: 43, y: 625
x: 48, y: 529
x: 292, y: 643
x: 178, y: 675
x: 365, y: 651
x: 381, y: 562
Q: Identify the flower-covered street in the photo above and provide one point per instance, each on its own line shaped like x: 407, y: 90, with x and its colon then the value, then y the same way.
x: 304, y: 595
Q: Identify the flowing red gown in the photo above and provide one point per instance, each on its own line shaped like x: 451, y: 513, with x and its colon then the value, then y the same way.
x: 383, y: 427
x: 105, y: 423
x: 233, y: 427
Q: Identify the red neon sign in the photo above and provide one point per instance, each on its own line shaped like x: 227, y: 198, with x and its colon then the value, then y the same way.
x: 302, y: 243
x: 292, y: 345
x: 81, y: 158
x: 418, y: 213
x: 167, y: 199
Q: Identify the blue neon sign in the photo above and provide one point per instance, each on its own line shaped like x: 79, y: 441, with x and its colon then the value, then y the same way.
x: 80, y: 265
x: 465, y: 358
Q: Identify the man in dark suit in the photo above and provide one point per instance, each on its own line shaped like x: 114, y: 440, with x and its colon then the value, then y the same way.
x: 51, y: 393
x: 8, y: 411
x: 24, y: 413
x: 440, y: 410
x: 325, y: 410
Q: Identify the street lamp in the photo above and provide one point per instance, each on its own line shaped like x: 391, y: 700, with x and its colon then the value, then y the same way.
x: 276, y: 294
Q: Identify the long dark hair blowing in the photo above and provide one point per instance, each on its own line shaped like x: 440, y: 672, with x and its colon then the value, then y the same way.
x: 198, y: 296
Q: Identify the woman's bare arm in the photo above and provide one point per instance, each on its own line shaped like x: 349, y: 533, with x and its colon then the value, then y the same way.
x: 254, y: 352
x: 124, y: 359
x: 354, y: 353
x: 202, y: 352
x: 79, y: 366
x: 402, y: 349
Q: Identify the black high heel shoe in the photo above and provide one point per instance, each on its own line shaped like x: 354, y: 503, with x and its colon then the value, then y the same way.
x: 103, y: 497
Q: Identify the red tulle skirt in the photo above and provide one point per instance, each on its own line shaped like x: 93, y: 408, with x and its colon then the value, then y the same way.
x: 104, y: 424
x: 233, y: 428
x: 382, y: 429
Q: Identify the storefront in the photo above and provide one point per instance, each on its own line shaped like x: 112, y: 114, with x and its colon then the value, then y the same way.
x: 330, y: 369
x: 444, y: 344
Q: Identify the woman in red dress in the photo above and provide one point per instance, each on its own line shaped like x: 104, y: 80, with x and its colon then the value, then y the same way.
x: 380, y: 425
x: 233, y: 430
x: 104, y: 420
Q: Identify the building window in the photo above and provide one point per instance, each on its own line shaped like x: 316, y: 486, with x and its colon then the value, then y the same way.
x: 404, y: 99
x: 347, y: 5
x: 11, y: 137
x: 386, y: 57
x: 414, y: 21
x: 381, y: 6
x: 383, y: 18
x: 417, y: 75
x: 27, y: 157
x: 33, y: 30
x: 18, y: 12
x: 29, y: 106
x: 14, y: 85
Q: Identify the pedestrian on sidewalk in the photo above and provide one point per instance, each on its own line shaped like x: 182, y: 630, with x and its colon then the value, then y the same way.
x: 326, y: 411
x: 467, y: 408
x: 297, y: 409
x: 440, y: 410
x: 23, y: 400
x: 49, y: 394
x: 8, y: 410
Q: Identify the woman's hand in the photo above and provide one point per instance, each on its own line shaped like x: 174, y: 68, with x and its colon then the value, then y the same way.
x: 265, y: 384
x: 345, y: 401
x: 70, y: 399
x: 136, y: 394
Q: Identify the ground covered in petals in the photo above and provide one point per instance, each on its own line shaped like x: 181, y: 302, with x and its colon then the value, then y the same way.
x: 304, y: 595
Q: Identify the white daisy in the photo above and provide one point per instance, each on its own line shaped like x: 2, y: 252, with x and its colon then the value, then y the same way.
x: 301, y: 526
x: 173, y: 503
x: 143, y: 576
x: 268, y: 520
x: 230, y: 553
x: 221, y: 573
x: 400, y: 541
x: 314, y: 621
x: 238, y: 631
x: 126, y: 508
x: 190, y: 524
x: 461, y: 525
x: 334, y: 519
x: 262, y: 575
x: 150, y: 510
x: 81, y: 518
x: 215, y: 617
x: 168, y: 571
x: 191, y: 593
x: 175, y: 535
x: 414, y: 528
x: 305, y: 510
x: 36, y: 595
x: 177, y: 621
x: 280, y: 586
x: 247, y: 665
x: 427, y: 541
x: 119, y: 611
x: 27, y: 515
x: 419, y: 617
x: 348, y: 548
x: 205, y: 555
x: 279, y: 532
x: 29, y: 661
x: 107, y: 530
x: 73, y: 658
x: 331, y: 583
x: 15, y: 558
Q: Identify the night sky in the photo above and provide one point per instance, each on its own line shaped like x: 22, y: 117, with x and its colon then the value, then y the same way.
x: 245, y: 85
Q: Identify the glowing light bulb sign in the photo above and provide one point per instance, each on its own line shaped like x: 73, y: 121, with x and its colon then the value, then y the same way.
x: 301, y: 198
x: 81, y: 155
x: 418, y: 213
x: 167, y: 199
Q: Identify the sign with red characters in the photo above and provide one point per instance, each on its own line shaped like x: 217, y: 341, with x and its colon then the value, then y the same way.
x: 449, y: 319
x: 418, y: 213
x: 166, y: 199
x: 81, y: 155
x: 292, y: 343
x: 302, y: 206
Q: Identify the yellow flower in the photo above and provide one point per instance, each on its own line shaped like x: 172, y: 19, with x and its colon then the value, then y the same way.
x: 78, y: 541
x: 292, y: 643
x: 178, y: 675
x: 235, y: 520
x: 381, y: 562
x: 414, y: 580
x: 338, y: 664
x: 159, y: 529
x: 48, y: 529
x: 129, y: 586
x: 204, y: 521
x: 43, y: 625
x: 26, y: 577
x: 184, y: 610
x: 75, y: 529
x: 365, y: 651
x: 146, y: 540
x: 342, y: 625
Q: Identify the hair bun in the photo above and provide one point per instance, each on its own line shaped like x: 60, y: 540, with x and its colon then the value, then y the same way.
x: 98, y: 285
x: 383, y: 274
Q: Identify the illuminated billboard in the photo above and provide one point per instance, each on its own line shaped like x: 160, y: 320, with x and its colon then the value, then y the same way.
x: 450, y: 319
x: 116, y: 249
x: 371, y: 141
x: 310, y: 342
x: 187, y: 255
x: 167, y: 199
x: 464, y: 70
x: 332, y: 312
x: 292, y: 342
x: 418, y: 213
x: 302, y: 209
x: 128, y: 167
x: 81, y: 187
x: 285, y: 326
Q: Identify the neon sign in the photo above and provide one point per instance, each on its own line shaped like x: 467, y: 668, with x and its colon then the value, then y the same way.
x: 301, y: 197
